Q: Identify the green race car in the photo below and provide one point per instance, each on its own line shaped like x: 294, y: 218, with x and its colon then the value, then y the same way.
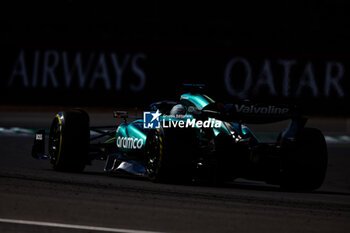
x: 192, y: 139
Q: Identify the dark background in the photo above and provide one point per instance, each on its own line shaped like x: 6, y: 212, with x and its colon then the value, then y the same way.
x: 172, y: 42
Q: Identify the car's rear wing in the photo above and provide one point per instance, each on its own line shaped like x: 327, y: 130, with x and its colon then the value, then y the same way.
x: 253, y: 113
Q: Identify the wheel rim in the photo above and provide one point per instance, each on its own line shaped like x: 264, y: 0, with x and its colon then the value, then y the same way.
x: 153, y: 154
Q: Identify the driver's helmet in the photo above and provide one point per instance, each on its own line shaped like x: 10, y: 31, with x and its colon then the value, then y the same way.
x: 178, y: 110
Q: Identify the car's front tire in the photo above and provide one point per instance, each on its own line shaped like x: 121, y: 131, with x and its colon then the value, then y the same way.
x: 69, y: 140
x: 169, y: 154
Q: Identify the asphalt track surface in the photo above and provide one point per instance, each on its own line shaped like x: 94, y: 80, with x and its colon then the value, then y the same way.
x: 34, y: 198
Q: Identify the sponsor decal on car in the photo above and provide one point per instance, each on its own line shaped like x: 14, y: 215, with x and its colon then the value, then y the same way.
x: 260, y: 110
x: 129, y: 142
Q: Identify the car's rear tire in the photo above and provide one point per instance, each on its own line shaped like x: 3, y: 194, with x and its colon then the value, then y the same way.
x: 304, y: 162
x: 169, y: 154
x: 69, y: 140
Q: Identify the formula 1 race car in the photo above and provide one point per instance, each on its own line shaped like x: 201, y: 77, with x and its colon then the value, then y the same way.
x: 194, y: 138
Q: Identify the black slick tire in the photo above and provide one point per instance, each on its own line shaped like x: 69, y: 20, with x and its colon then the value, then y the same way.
x: 69, y: 140
x: 304, y: 162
